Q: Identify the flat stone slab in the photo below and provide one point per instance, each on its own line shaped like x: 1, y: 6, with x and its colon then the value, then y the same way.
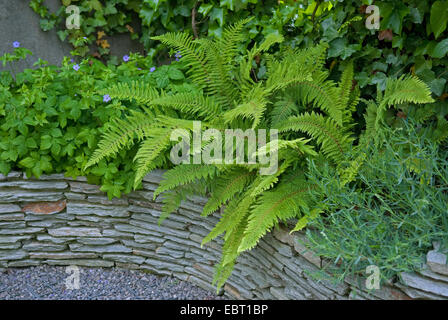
x: 74, y: 231
x: 20, y: 231
x: 124, y: 258
x: 45, y: 208
x: 437, y: 261
x: 29, y: 196
x: 35, y: 185
x: 12, y: 217
x: 42, y: 246
x: 13, y: 254
x: 113, y: 248
x: 62, y: 255
x: 81, y: 263
x: 415, y: 281
x: 96, y: 209
x: 9, y: 208
x: 13, y: 239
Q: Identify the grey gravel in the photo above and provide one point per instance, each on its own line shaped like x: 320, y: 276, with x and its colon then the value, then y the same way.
x: 48, y: 283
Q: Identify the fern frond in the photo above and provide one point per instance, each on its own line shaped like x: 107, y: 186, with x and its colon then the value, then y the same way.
x: 191, y: 54
x: 194, y: 104
x: 299, y: 145
x: 253, y: 108
x: 141, y: 92
x: 172, y: 199
x: 244, y: 78
x: 334, y: 143
x: 184, y: 174
x: 228, y: 184
x: 233, y: 214
x: 281, y: 203
x: 264, y: 183
x: 119, y: 134
x: 229, y: 253
x: 406, y: 89
x: 156, y: 142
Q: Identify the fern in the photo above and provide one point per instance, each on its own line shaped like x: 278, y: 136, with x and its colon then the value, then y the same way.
x: 284, y: 202
x: 141, y: 92
x: 227, y: 186
x: 406, y: 89
x: 333, y: 141
x: 184, y: 174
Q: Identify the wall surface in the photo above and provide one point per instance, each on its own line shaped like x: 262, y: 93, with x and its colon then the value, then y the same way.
x: 59, y: 221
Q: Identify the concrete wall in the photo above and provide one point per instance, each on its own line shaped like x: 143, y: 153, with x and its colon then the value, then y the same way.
x: 59, y: 221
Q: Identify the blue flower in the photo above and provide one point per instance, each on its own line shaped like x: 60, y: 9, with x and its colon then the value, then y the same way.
x: 106, y: 98
x: 125, y: 58
x: 76, y: 67
x: 16, y: 44
x: 152, y: 69
x: 178, y: 55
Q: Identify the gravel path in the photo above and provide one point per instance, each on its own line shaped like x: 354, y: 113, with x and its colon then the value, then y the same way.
x: 49, y: 283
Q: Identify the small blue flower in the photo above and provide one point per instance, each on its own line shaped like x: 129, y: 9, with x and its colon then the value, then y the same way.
x: 76, y: 67
x: 106, y: 98
x: 16, y: 44
x: 152, y: 69
x: 125, y: 58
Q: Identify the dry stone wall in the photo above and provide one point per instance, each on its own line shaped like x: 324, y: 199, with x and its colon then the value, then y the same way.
x: 56, y: 220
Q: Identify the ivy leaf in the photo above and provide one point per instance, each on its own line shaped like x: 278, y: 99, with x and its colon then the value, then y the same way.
x: 441, y: 49
x: 439, y: 17
x: 437, y: 86
x: 204, y: 9
x: 217, y: 14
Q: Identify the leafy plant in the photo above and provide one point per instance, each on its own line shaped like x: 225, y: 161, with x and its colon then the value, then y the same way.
x: 50, y: 117
x: 393, y: 210
x: 296, y: 98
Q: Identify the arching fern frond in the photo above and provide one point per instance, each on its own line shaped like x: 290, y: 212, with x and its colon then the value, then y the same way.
x: 334, y: 143
x: 281, y: 203
x: 185, y: 174
x: 190, y: 103
x: 195, y: 58
x: 228, y: 184
x: 406, y: 89
x: 141, y: 92
x: 119, y: 134
x: 156, y: 142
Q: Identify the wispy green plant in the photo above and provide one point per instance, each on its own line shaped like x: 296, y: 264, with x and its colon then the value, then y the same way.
x: 390, y: 214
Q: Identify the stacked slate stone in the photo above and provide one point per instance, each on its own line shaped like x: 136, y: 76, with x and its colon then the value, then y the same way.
x: 56, y: 220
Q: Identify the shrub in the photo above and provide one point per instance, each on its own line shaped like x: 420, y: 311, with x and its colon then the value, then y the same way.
x: 50, y: 117
x: 412, y: 36
x: 393, y: 210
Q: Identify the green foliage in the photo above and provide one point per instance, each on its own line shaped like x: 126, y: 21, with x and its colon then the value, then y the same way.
x: 51, y: 118
x: 412, y: 36
x: 390, y: 213
x: 253, y: 203
x: 296, y: 97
